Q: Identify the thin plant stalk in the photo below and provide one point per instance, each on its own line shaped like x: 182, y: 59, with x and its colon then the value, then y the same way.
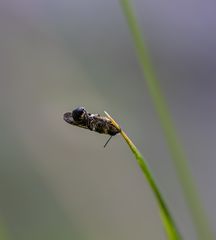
x: 198, y: 214
x: 167, y: 220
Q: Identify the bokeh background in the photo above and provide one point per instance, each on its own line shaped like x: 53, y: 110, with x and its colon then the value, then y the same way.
x: 57, y: 181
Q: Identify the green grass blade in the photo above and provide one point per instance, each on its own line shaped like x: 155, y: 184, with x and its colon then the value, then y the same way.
x: 3, y: 232
x: 176, y: 150
x: 167, y: 220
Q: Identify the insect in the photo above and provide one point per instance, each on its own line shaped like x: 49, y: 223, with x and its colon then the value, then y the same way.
x: 94, y: 122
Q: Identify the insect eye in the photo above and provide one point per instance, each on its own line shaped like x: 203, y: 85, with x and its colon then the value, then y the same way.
x: 77, y: 114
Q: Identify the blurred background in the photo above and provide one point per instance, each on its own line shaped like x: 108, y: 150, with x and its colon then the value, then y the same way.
x: 57, y: 181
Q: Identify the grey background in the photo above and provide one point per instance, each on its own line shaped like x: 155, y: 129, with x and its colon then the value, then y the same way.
x: 57, y: 181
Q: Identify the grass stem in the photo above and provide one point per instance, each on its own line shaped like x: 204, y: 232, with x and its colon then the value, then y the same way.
x: 168, y: 222
x: 176, y: 150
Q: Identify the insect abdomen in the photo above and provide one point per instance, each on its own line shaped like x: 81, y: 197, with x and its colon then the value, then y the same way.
x: 103, y: 125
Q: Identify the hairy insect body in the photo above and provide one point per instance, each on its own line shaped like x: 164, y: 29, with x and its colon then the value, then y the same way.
x: 94, y: 122
x: 101, y: 125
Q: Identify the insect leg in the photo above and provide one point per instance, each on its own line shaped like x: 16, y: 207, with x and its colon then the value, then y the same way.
x: 107, y: 141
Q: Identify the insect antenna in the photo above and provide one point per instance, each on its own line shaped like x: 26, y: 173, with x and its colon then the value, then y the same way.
x: 107, y: 141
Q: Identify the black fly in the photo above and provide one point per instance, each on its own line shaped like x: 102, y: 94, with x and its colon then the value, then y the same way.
x: 94, y: 122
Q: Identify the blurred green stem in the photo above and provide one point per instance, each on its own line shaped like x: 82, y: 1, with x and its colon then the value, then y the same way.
x: 167, y: 220
x: 203, y: 229
x: 3, y: 232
